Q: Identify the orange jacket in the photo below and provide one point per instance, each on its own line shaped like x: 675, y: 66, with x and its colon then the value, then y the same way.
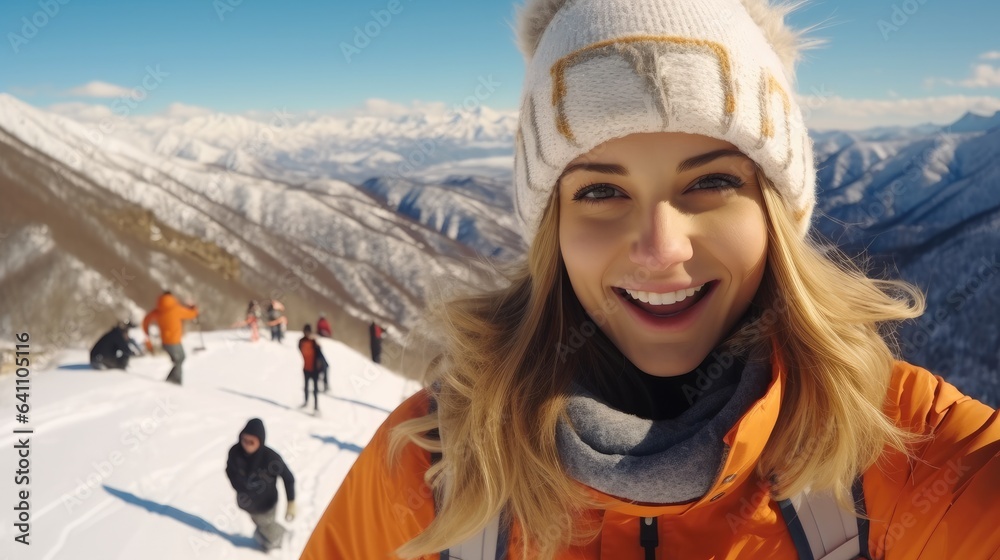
x: 945, y: 504
x: 168, y: 314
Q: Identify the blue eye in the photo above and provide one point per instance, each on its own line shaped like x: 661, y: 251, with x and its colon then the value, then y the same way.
x: 595, y: 193
x: 717, y: 181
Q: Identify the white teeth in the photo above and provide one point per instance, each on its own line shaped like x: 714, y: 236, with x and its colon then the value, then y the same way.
x: 664, y: 299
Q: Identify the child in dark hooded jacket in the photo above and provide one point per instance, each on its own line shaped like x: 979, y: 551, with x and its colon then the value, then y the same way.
x: 253, y: 470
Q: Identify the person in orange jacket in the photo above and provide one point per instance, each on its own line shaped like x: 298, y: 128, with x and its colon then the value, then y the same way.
x: 169, y: 315
x: 676, y: 370
x: 314, y: 366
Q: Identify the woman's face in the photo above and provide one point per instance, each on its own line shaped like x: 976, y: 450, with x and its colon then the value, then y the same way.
x: 664, y: 240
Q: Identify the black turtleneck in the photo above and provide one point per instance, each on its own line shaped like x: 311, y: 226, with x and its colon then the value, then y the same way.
x: 636, y: 392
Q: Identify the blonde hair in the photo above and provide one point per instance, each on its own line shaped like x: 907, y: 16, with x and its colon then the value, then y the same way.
x: 500, y: 387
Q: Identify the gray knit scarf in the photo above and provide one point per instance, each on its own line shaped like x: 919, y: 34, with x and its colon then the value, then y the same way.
x: 663, y: 461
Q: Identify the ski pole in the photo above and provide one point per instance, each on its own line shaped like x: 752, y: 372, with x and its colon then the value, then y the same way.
x: 201, y: 335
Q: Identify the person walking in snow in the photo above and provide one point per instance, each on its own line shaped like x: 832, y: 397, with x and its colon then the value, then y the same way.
x: 375, y: 335
x: 676, y: 368
x: 276, y: 320
x: 169, y: 314
x: 253, y: 470
x: 252, y: 321
x: 113, y: 349
x: 314, y: 366
x: 323, y: 326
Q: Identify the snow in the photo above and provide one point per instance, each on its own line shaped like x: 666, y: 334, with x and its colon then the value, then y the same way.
x: 126, y: 466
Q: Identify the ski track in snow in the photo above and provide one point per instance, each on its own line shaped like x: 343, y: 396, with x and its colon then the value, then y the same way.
x: 68, y: 416
x: 72, y: 526
x: 167, y: 495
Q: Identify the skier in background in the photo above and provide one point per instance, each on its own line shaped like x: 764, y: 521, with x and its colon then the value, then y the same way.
x: 276, y: 319
x: 323, y: 326
x: 114, y: 348
x: 314, y: 365
x: 169, y: 315
x: 253, y: 470
x: 376, y: 333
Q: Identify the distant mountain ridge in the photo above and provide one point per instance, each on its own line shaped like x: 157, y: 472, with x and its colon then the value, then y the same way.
x: 348, y: 148
x: 971, y: 122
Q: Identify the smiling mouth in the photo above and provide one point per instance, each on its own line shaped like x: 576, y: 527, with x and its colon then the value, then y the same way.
x: 653, y: 306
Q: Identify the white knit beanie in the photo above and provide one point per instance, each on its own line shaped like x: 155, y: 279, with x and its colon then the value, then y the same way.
x: 604, y: 69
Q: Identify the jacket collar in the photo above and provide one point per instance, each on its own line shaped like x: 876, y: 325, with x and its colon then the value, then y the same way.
x: 745, y: 443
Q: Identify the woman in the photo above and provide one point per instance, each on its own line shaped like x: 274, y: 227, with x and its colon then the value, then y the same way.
x: 677, y: 371
x: 252, y: 321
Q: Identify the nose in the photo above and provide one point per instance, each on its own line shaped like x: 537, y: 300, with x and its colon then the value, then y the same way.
x: 663, y: 239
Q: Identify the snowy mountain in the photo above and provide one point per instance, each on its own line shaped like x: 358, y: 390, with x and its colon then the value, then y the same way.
x: 429, y: 144
x: 476, y: 212
x: 926, y: 207
x: 971, y: 122
x: 124, y: 466
x: 92, y: 231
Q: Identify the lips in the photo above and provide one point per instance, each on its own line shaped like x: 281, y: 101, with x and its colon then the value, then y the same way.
x: 667, y: 310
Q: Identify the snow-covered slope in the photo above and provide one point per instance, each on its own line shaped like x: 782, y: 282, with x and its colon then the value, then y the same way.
x: 476, y: 212
x: 124, y: 466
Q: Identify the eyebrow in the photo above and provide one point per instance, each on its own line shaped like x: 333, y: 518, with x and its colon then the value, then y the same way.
x: 704, y: 159
x: 606, y: 168
x: 686, y: 165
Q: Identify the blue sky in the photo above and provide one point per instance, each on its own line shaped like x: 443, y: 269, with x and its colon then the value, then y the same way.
x: 249, y: 55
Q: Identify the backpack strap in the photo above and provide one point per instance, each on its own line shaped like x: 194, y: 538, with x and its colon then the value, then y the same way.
x: 821, y: 530
x: 864, y: 527
x: 798, y: 534
x: 488, y: 544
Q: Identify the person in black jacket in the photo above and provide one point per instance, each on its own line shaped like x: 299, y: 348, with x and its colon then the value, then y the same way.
x: 253, y: 470
x: 113, y: 350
